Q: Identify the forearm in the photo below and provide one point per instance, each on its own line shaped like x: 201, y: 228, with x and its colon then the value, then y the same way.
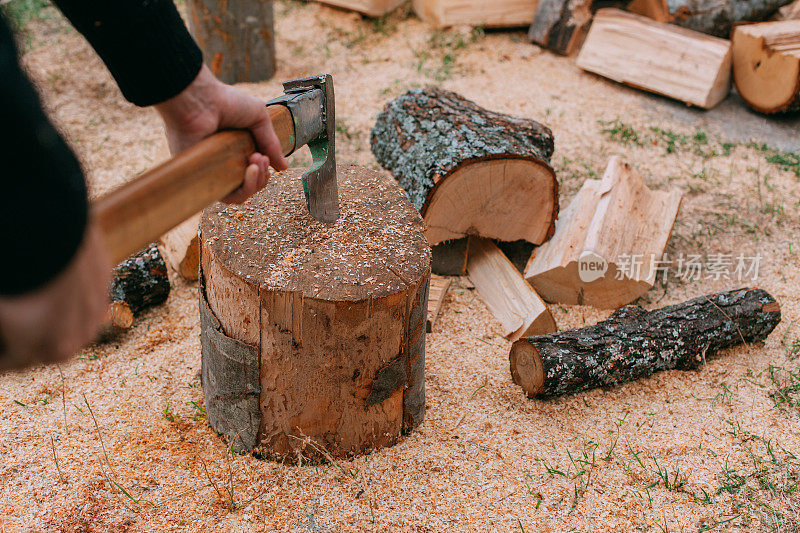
x: 43, y: 209
x: 144, y: 44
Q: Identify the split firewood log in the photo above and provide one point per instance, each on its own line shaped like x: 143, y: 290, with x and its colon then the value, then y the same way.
x: 506, y: 293
x: 766, y: 65
x: 608, y: 243
x: 371, y: 8
x: 468, y: 170
x: 662, y: 58
x: 788, y: 12
x: 436, y: 296
x: 484, y: 13
x: 181, y: 250
x: 139, y: 282
x: 312, y: 334
x: 713, y: 17
x: 634, y: 343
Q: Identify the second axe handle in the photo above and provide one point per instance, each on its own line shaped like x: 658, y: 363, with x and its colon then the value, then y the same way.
x: 145, y: 208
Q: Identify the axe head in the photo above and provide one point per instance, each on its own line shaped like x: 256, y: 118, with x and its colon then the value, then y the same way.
x: 312, y: 104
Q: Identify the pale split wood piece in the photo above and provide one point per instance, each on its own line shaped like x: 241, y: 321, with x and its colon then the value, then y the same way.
x: 181, y: 249
x: 662, y: 58
x: 436, y: 296
x: 766, y: 65
x: 508, y: 296
x: 788, y: 12
x: 371, y: 8
x: 608, y: 243
x: 485, y: 13
x: 333, y: 317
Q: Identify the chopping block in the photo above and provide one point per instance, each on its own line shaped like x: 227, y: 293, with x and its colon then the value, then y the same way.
x: 313, y: 334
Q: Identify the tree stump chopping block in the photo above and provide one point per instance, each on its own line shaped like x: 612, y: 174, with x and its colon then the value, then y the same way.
x: 313, y: 335
x: 468, y: 170
x: 634, y: 343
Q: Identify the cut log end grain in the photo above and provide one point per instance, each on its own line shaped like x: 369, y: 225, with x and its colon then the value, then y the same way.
x: 766, y: 65
x: 314, y: 331
x: 634, y: 343
x: 662, y: 58
x: 468, y: 170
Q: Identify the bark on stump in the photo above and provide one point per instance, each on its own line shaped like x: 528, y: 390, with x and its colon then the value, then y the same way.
x: 634, y: 343
x: 714, y: 17
x: 314, y: 332
x: 237, y: 37
x: 468, y: 170
x: 139, y: 282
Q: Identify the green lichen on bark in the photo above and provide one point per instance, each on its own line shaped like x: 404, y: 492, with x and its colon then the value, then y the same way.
x: 428, y: 133
x: 141, y: 281
x: 634, y: 343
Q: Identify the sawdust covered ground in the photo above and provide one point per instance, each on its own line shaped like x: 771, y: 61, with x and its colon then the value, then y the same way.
x: 116, y: 440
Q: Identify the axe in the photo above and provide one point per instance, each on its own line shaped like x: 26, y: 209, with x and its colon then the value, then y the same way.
x: 145, y: 208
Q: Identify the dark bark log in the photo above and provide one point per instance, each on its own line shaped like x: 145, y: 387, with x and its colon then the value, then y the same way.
x: 634, y: 343
x: 560, y: 25
x: 713, y: 17
x: 141, y: 281
x: 237, y: 38
x: 428, y: 136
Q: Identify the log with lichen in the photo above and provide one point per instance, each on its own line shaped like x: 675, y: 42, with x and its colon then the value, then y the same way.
x: 139, y: 282
x: 469, y: 171
x: 714, y: 17
x: 634, y: 343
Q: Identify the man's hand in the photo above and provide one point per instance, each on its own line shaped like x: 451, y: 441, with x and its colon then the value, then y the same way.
x: 206, y: 106
x: 53, y: 322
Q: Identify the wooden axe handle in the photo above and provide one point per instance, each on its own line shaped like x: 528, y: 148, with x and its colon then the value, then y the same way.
x: 145, y: 208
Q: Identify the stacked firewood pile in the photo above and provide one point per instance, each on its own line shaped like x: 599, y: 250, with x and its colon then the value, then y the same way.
x: 488, y: 195
x: 689, y: 50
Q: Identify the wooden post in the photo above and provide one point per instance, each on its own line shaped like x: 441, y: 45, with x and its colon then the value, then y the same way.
x: 237, y: 38
x: 469, y: 171
x: 313, y: 335
x: 634, y: 343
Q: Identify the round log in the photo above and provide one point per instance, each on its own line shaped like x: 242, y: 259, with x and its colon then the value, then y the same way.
x: 139, y: 282
x: 634, y: 343
x: 468, y: 170
x: 237, y: 38
x: 713, y: 17
x: 313, y: 335
x: 766, y: 65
